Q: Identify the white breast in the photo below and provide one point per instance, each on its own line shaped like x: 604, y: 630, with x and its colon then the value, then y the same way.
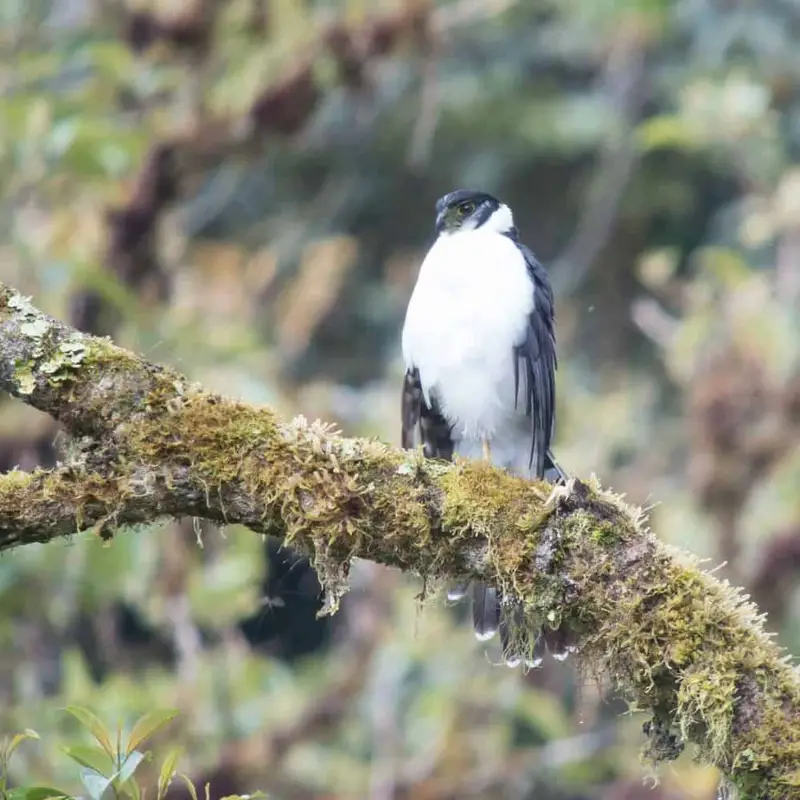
x: 469, y: 308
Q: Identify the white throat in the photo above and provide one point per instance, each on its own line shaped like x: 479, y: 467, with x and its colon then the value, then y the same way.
x: 501, y: 221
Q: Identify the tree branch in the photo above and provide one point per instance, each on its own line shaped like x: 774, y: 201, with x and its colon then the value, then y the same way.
x: 678, y: 643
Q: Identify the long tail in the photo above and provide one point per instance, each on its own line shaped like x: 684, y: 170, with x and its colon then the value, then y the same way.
x: 553, y: 473
x: 490, y: 614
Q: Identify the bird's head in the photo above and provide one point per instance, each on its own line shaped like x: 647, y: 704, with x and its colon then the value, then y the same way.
x: 466, y: 210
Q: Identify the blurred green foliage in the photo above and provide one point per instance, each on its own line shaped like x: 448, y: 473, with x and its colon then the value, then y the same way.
x: 237, y: 188
x: 109, y: 767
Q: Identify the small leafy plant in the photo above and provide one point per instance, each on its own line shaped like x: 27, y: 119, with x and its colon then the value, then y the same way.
x: 108, y: 769
x: 7, y: 748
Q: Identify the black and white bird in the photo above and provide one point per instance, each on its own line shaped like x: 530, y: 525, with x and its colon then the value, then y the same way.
x: 480, y: 355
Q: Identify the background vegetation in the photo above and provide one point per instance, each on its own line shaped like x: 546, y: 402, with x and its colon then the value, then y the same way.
x: 244, y: 189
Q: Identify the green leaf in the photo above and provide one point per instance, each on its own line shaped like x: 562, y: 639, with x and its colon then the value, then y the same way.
x: 189, y: 785
x: 92, y: 757
x: 36, y: 793
x: 252, y: 796
x: 93, y: 724
x: 665, y: 131
x: 147, y: 725
x: 18, y: 740
x: 111, y: 59
x: 168, y: 770
x: 130, y: 789
x: 132, y: 761
x: 98, y: 786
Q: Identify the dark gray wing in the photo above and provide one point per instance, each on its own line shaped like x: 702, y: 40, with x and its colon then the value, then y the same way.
x: 434, y: 429
x: 536, y: 359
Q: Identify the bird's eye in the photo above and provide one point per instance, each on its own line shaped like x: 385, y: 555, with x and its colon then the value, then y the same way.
x: 465, y: 208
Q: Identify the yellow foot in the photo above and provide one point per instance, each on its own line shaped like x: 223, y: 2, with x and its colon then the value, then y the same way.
x: 559, y: 492
x: 487, y: 450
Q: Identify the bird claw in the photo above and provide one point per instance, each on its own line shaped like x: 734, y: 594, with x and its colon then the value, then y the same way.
x: 560, y: 492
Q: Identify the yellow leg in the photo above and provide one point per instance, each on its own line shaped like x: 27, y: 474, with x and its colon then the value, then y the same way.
x: 487, y: 450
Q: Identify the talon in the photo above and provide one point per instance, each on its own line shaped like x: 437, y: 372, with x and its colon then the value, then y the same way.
x: 558, y: 493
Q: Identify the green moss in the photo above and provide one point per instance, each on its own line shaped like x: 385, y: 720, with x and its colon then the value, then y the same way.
x: 38, y: 499
x: 604, y: 533
x: 11, y: 481
x: 321, y: 492
x: 676, y: 639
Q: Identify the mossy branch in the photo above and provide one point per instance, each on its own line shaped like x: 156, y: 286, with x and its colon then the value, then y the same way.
x: 678, y: 643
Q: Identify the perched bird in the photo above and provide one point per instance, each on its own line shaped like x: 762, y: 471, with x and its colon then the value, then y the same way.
x: 480, y: 356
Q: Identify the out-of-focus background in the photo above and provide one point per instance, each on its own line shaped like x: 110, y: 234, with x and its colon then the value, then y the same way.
x: 244, y: 189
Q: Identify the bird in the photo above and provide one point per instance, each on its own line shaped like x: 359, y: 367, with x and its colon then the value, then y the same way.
x: 479, y: 348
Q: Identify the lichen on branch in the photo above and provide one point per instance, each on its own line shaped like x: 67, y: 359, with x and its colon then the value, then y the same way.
x: 678, y: 643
